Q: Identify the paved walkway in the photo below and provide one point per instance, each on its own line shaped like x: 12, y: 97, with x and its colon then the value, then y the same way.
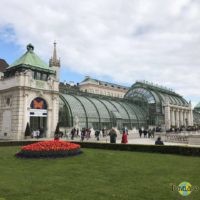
x: 132, y: 139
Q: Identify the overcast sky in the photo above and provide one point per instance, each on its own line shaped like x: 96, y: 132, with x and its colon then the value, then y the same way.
x: 120, y: 41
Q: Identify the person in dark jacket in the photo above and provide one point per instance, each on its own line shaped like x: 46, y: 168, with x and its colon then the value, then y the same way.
x: 140, y: 132
x: 97, y: 133
x: 159, y: 141
x: 113, y: 136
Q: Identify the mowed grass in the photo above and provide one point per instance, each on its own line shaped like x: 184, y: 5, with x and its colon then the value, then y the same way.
x: 96, y: 175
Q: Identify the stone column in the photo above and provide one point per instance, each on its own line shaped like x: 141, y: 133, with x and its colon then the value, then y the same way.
x: 188, y: 118
x: 177, y: 118
x: 172, y: 117
x: 26, y: 115
x: 167, y: 116
x: 49, y: 124
x: 191, y: 117
x: 181, y: 117
x: 184, y: 117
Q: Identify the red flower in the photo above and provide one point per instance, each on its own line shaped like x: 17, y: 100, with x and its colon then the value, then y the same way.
x: 54, y: 145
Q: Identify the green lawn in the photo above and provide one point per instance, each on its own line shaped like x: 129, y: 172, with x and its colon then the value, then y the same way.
x: 96, y: 175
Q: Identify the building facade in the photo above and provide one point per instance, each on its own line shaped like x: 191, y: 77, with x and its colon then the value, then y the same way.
x: 95, y: 86
x: 165, y: 108
x: 30, y: 93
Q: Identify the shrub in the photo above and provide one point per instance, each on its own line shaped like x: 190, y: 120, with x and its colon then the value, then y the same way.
x: 28, y: 130
x: 164, y: 149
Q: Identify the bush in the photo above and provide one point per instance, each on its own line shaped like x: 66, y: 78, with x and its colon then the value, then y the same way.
x: 180, y: 150
x: 28, y: 130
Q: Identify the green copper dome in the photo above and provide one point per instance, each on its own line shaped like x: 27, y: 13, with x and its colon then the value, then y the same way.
x: 30, y: 59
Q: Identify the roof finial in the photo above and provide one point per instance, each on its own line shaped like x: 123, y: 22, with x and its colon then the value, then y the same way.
x: 30, y: 47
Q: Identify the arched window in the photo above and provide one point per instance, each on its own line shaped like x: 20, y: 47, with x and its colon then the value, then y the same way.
x: 38, y: 103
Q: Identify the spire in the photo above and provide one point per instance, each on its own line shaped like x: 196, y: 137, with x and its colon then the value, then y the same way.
x: 54, y: 52
x: 54, y: 62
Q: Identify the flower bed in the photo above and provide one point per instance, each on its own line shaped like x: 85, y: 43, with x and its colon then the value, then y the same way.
x: 48, y: 149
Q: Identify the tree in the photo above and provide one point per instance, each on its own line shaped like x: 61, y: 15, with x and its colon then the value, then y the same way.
x: 28, y: 130
x: 57, y: 131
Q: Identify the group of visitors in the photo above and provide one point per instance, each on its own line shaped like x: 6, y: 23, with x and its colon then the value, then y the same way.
x: 176, y: 130
x: 113, y: 136
x: 35, y: 133
x: 147, y: 133
x: 101, y: 133
x: 74, y: 133
x: 38, y: 133
x: 85, y: 133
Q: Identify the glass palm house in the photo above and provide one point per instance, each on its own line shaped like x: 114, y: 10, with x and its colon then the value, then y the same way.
x: 142, y: 105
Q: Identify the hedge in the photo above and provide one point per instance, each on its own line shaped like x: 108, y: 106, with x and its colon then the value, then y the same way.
x: 164, y: 149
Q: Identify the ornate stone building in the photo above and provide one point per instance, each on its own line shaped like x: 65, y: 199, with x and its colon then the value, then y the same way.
x: 29, y: 93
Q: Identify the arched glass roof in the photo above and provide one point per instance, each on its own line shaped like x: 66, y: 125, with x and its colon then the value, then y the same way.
x: 100, y: 112
x: 153, y: 94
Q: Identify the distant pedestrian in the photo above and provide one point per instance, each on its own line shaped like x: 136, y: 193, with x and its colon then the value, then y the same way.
x: 124, y: 137
x: 77, y: 132
x: 113, y: 136
x: 149, y: 133
x: 159, y: 141
x: 140, y: 132
x: 145, y: 133
x: 97, y: 133
x: 73, y: 131
x: 38, y: 133
x: 83, y: 132
x: 103, y: 132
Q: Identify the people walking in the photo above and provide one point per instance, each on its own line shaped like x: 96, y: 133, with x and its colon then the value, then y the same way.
x: 124, y: 137
x: 113, y: 136
x: 145, y: 133
x: 140, y: 132
x: 83, y: 132
x: 97, y: 133
x: 73, y: 131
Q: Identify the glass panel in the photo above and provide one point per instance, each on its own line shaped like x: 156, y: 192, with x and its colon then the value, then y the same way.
x: 90, y: 109
x: 78, y: 112
x: 103, y: 112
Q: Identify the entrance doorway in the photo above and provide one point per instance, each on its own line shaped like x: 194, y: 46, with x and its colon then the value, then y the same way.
x: 39, y: 123
x: 38, y: 117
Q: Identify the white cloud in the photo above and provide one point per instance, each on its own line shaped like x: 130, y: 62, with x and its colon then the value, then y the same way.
x: 126, y: 40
